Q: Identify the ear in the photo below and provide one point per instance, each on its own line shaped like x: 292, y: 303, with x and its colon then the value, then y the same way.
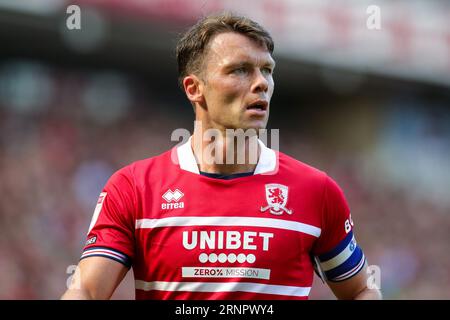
x: 193, y: 87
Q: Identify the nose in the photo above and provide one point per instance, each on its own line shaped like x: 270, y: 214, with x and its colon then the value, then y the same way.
x: 260, y: 83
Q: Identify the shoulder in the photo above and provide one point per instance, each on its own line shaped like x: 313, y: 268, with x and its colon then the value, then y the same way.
x: 300, y: 170
x: 144, y: 169
x: 143, y: 165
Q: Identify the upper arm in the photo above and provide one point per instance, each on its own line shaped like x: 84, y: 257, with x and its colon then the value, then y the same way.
x: 110, y: 245
x: 95, y: 278
x: 338, y: 256
x: 350, y: 288
x: 356, y: 288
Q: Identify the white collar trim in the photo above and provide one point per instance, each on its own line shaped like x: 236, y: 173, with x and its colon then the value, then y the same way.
x: 186, y: 157
x: 267, y: 160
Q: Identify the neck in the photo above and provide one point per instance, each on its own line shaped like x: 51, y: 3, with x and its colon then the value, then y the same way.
x: 225, y: 151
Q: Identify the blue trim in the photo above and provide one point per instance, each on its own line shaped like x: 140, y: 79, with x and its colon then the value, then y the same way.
x: 106, y: 248
x: 338, y: 249
x: 352, y: 274
x: 226, y: 176
x: 346, y: 266
x: 126, y: 261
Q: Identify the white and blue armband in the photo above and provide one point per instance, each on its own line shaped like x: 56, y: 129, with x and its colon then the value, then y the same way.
x: 341, y: 263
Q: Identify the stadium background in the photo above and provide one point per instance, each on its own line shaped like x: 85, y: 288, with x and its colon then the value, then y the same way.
x: 370, y: 107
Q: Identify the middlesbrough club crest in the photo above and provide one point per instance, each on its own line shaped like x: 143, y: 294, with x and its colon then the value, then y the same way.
x: 276, y: 196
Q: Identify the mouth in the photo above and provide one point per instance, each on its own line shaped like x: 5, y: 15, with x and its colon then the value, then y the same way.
x: 258, y: 105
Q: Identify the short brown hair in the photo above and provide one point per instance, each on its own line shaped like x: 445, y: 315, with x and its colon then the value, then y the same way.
x: 191, y: 47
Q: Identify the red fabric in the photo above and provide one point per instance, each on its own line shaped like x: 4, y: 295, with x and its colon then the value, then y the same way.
x: 159, y: 254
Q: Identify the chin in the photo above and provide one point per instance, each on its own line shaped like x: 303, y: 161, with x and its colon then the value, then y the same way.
x: 252, y: 124
x: 257, y: 125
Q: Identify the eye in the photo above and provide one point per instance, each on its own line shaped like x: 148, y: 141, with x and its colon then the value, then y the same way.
x: 239, y: 70
x: 267, y: 70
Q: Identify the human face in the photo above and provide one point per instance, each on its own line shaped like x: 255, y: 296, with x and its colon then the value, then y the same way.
x: 237, y: 82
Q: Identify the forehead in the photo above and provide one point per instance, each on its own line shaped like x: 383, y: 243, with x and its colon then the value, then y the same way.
x: 232, y: 47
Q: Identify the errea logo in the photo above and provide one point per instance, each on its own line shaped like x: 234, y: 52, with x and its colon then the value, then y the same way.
x: 172, y: 198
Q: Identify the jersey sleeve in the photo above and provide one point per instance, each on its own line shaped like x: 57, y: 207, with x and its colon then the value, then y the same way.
x: 336, y: 252
x: 111, y: 232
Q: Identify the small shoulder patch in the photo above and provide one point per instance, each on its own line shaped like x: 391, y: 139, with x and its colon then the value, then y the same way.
x: 91, y: 240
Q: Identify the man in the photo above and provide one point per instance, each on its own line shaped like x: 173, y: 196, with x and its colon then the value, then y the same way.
x: 203, y: 225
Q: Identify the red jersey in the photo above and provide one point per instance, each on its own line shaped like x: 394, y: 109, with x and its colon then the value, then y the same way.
x: 189, y: 236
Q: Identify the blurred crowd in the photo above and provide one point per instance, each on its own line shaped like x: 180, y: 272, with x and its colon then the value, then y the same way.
x: 60, y: 143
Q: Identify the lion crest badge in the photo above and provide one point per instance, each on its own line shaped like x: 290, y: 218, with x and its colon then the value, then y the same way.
x: 276, y: 197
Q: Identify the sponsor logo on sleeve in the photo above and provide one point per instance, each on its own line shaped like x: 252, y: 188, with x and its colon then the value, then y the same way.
x: 91, y: 241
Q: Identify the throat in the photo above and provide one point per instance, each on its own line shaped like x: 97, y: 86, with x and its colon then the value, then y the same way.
x: 230, y: 156
x: 226, y: 170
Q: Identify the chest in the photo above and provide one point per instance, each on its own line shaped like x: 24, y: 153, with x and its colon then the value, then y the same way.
x: 261, y: 230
